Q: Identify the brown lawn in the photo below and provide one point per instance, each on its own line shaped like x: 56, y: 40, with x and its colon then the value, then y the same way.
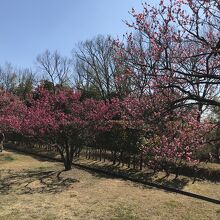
x: 31, y: 188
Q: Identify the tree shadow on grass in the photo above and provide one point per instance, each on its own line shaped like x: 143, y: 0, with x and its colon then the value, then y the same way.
x: 34, y: 181
x: 109, y: 171
x: 177, y: 183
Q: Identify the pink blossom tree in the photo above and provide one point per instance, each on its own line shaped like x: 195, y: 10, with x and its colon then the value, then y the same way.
x: 56, y: 119
x: 12, y: 112
x: 172, y: 60
x: 178, y: 47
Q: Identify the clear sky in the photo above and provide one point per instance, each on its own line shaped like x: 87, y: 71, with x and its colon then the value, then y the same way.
x: 29, y: 27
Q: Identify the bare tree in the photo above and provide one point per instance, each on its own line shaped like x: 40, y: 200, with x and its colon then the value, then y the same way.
x: 26, y: 81
x: 18, y: 81
x: 55, y: 67
x: 8, y: 77
x: 96, y: 67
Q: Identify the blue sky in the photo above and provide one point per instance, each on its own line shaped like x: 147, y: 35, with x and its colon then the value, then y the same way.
x: 29, y: 27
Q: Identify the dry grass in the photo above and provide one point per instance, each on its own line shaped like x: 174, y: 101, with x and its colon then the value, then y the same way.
x: 32, y: 189
x: 203, y: 187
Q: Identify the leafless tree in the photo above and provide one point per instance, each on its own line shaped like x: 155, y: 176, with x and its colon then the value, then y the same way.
x: 18, y: 81
x: 8, y: 77
x: 96, y: 68
x: 26, y: 81
x: 55, y: 67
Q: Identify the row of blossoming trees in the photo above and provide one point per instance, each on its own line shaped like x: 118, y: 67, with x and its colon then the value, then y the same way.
x: 68, y: 123
x: 173, y: 73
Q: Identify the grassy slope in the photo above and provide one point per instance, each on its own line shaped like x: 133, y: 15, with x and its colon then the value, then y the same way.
x: 31, y: 189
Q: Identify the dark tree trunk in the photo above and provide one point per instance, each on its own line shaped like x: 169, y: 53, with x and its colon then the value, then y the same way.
x: 67, y: 159
x: 89, y: 154
x: 141, y: 161
x: 177, y: 172
x: 96, y: 154
x: 217, y: 153
x: 129, y: 160
x: 67, y: 153
x: 120, y: 158
x: 114, y: 157
x: 2, y: 138
x: 68, y: 165
x: 93, y: 154
x: 100, y: 154
x: 134, y: 162
x: 104, y: 155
